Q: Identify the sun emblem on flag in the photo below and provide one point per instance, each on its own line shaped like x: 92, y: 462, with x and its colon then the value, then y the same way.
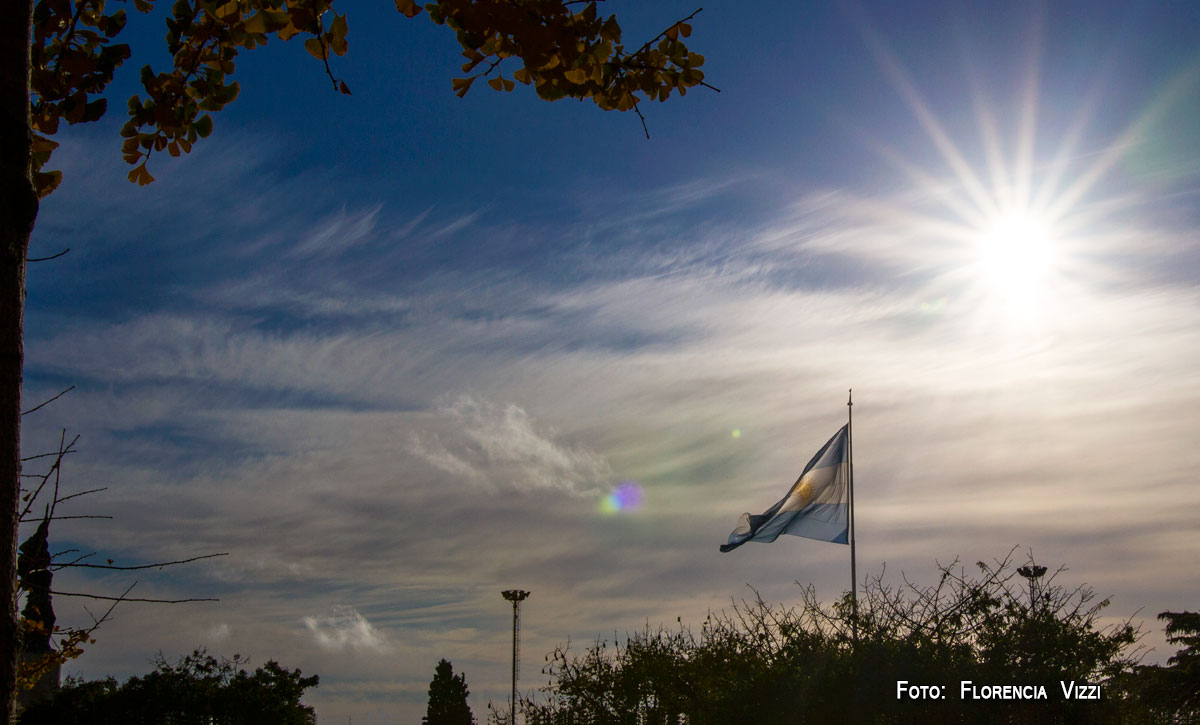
x: 804, y: 492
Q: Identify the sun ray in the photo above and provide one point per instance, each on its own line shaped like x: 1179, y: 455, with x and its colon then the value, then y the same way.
x: 1184, y: 82
x: 923, y: 180
x: 1006, y: 248
x: 905, y: 86
x: 981, y: 106
x: 1068, y: 145
x: 1028, y: 113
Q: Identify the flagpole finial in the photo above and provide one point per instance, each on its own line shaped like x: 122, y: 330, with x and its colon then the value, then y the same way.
x: 850, y: 397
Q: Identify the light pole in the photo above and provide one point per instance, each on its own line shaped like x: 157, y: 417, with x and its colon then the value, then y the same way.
x: 516, y: 596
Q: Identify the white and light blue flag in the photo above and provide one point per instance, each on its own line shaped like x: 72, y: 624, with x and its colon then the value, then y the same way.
x: 816, y: 506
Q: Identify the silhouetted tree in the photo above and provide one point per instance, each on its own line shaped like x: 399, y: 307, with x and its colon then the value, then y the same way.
x: 1183, y: 628
x: 45, y: 644
x: 197, y: 689
x: 448, y: 698
x: 1169, y: 694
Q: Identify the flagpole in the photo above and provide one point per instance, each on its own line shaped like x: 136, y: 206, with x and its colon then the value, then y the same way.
x: 850, y: 457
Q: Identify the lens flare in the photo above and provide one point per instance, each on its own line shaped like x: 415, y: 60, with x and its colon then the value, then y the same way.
x: 627, y: 496
x: 934, y: 307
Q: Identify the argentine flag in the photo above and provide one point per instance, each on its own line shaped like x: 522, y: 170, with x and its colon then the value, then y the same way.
x: 816, y: 506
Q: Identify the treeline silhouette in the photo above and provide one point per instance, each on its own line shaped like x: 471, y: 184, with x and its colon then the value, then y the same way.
x: 762, y: 664
x: 900, y: 656
x: 196, y: 690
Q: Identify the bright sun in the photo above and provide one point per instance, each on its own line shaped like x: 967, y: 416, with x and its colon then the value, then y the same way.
x: 1016, y: 255
x: 1000, y: 236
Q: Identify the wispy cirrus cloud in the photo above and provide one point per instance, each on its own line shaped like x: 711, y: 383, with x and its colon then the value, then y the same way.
x: 336, y: 235
x: 343, y: 628
x: 500, y: 445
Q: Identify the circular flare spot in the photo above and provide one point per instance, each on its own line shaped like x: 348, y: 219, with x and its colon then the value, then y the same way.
x: 627, y: 496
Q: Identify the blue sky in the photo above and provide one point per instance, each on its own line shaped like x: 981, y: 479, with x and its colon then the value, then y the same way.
x: 392, y: 351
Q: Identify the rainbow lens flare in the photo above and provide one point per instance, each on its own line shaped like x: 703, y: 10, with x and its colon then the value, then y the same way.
x: 627, y: 496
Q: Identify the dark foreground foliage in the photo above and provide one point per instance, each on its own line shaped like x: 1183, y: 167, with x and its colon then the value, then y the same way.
x: 196, y: 690
x: 1169, y: 694
x: 448, y: 698
x: 817, y: 663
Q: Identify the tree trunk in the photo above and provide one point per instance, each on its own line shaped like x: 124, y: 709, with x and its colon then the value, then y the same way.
x: 18, y: 209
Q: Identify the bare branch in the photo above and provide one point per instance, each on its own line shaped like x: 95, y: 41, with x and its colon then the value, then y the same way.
x: 63, y: 518
x: 41, y: 405
x: 141, y: 566
x: 133, y: 599
x: 62, y: 451
x: 47, y: 259
x: 82, y: 493
x: 97, y: 622
x: 77, y: 559
x: 43, y: 455
x: 672, y: 25
x: 642, y: 118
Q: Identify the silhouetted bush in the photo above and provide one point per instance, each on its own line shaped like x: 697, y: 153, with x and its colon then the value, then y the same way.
x: 762, y: 664
x: 196, y: 690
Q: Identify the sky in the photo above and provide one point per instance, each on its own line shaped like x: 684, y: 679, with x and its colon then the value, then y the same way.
x: 396, y: 352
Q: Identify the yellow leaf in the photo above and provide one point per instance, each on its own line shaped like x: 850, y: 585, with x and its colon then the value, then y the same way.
x: 611, y: 30
x: 46, y: 182
x: 461, y: 85
x: 42, y: 144
x: 288, y: 32
x: 203, y: 125
x: 337, y: 35
x: 578, y: 76
x: 685, y: 30
x: 316, y: 48
x: 227, y: 10
x: 552, y: 63
x: 497, y: 83
x: 141, y: 175
x: 408, y: 8
x: 522, y: 75
x: 256, y: 23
